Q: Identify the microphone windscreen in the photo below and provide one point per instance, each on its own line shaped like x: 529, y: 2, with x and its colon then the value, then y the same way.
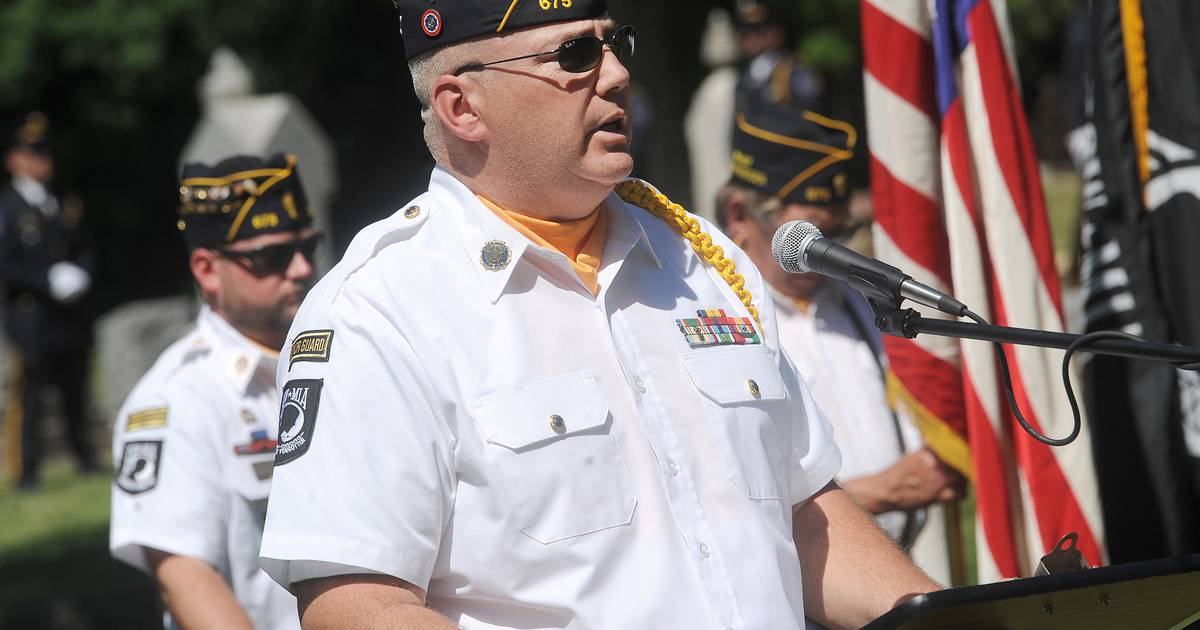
x: 788, y: 244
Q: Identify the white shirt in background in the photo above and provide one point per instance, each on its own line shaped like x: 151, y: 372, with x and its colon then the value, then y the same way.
x: 837, y: 350
x: 193, y: 448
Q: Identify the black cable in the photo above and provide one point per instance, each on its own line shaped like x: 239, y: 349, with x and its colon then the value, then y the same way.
x: 1012, y: 397
x: 1078, y: 344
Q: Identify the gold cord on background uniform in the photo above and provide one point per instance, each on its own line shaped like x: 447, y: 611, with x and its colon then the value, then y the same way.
x: 639, y: 194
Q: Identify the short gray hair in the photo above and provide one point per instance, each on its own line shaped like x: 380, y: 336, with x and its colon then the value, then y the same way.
x: 427, y: 67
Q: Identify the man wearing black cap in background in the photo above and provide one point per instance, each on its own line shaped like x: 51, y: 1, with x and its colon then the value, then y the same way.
x: 193, y: 444
x: 790, y: 164
x: 551, y: 398
x: 46, y: 264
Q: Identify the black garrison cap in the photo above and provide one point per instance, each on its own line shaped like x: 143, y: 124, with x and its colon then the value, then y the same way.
x: 239, y: 198
x: 794, y: 154
x: 429, y: 24
x: 759, y: 13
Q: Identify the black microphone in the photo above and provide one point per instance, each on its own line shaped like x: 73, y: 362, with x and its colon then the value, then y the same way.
x: 799, y: 247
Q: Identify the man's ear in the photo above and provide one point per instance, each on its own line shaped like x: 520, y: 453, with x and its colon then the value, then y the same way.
x: 12, y: 161
x: 738, y: 222
x: 203, y: 263
x: 454, y: 101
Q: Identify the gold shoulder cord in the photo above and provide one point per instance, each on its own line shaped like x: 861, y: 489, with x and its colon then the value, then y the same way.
x: 656, y: 203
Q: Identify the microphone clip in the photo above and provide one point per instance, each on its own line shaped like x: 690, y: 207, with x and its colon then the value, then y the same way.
x: 892, y: 320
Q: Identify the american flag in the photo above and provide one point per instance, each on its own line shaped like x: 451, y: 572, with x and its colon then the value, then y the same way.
x: 959, y: 206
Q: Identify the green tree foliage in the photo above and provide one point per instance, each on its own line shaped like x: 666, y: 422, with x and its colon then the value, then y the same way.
x: 830, y: 36
x: 121, y: 49
x: 118, y: 80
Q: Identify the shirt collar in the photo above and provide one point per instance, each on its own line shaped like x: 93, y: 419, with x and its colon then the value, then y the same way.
x: 476, y: 225
x: 627, y: 229
x: 33, y: 192
x: 241, y: 358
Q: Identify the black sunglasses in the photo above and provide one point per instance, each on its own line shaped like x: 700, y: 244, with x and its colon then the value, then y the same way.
x: 275, y: 259
x: 579, y: 54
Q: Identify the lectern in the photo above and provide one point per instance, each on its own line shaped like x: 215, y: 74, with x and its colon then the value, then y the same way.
x: 1153, y: 595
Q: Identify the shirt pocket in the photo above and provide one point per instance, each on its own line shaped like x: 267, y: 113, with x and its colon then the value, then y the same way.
x: 746, y: 403
x: 244, y: 479
x: 553, y: 444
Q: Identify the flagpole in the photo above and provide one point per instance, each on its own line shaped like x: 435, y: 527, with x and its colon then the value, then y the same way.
x: 952, y: 514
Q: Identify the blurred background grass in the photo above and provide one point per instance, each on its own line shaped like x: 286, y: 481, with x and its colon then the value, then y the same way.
x: 55, y: 571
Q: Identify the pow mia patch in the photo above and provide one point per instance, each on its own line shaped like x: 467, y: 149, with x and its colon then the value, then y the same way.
x: 140, y: 462
x: 311, y: 345
x: 297, y: 418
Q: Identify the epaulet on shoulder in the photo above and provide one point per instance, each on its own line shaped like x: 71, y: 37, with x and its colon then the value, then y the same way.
x: 411, y: 218
x: 401, y: 226
x: 196, y: 348
x: 183, y: 353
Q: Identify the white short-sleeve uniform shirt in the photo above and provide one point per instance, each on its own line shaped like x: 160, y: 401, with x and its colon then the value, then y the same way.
x: 193, y: 449
x: 839, y: 353
x: 480, y: 425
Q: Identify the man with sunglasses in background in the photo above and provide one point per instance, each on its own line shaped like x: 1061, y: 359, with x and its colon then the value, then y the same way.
x: 194, y: 443
x: 550, y: 397
x: 790, y: 164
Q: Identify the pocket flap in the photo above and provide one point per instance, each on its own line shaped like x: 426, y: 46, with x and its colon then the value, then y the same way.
x: 252, y: 477
x: 547, y: 409
x: 735, y: 374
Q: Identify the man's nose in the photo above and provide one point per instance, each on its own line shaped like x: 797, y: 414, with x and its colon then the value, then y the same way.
x: 300, y: 267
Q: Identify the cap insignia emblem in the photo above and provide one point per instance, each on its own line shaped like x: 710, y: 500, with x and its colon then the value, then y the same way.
x: 431, y: 22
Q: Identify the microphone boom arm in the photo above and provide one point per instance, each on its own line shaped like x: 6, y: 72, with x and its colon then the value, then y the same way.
x: 909, y: 323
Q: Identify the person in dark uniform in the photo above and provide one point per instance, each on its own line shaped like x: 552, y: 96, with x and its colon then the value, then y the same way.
x: 47, y: 265
x: 772, y: 72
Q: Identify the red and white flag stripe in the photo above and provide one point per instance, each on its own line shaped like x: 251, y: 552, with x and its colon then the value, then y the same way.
x: 959, y: 205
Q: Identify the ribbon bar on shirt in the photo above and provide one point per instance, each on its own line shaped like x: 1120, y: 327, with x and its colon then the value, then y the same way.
x: 712, y: 327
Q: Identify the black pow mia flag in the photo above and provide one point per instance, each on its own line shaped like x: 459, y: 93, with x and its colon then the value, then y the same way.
x: 1140, y: 236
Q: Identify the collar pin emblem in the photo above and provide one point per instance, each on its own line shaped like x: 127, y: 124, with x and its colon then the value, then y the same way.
x: 495, y: 255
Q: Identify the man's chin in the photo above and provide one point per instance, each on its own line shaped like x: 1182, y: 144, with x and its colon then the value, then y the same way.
x: 288, y: 312
x: 613, y: 168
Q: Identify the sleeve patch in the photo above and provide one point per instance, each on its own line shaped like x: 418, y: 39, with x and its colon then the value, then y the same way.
x: 146, y: 419
x: 311, y: 345
x: 297, y: 418
x: 140, y: 463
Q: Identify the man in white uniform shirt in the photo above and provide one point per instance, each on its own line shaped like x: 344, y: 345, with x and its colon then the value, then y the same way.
x: 790, y: 164
x: 194, y: 443
x: 526, y: 401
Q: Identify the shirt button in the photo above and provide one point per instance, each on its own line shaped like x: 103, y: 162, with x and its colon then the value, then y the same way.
x: 673, y: 467
x: 704, y: 550
x: 753, y: 387
x: 557, y: 424
x: 640, y: 384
